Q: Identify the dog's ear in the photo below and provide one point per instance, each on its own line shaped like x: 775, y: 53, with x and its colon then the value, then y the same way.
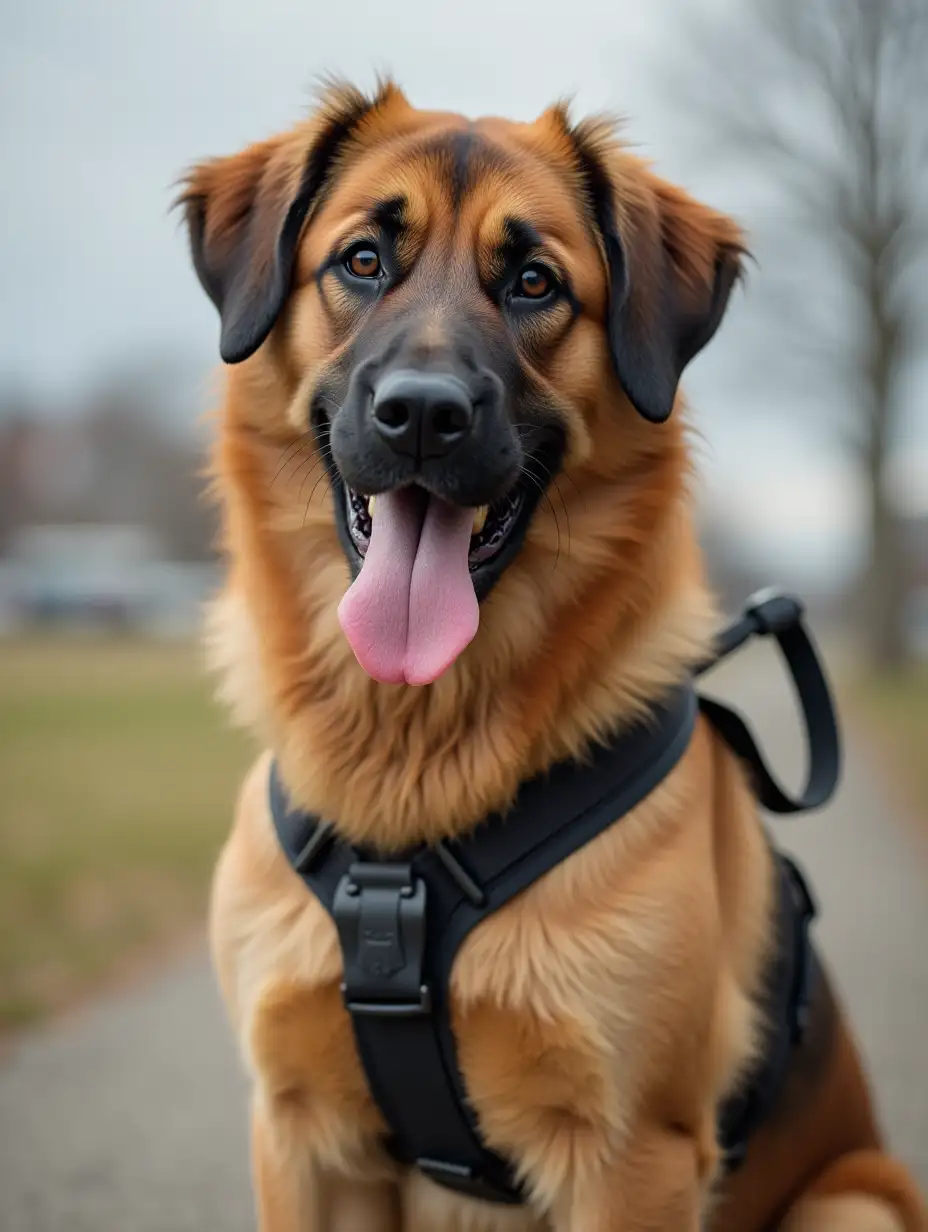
x: 245, y: 214
x: 671, y: 261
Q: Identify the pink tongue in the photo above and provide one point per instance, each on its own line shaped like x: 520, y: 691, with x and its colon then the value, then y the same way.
x: 412, y: 609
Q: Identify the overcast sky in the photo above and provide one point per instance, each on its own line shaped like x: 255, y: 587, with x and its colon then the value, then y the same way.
x: 103, y: 103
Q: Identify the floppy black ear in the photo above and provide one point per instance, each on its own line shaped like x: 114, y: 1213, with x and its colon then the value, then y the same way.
x: 672, y: 263
x: 245, y: 214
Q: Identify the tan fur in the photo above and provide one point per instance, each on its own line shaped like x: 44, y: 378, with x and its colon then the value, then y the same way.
x: 603, y: 1013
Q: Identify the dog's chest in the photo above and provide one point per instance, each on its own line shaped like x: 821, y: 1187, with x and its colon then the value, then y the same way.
x: 551, y: 1024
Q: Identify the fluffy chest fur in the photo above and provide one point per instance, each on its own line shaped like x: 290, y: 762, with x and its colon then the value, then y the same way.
x: 566, y: 1003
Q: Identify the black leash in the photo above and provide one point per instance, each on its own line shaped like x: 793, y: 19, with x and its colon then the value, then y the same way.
x: 771, y: 614
x: 402, y: 919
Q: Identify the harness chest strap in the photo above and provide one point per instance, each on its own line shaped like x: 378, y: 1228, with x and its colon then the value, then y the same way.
x: 402, y: 920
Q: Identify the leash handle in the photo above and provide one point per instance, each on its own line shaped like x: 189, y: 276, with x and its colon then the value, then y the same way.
x: 770, y: 613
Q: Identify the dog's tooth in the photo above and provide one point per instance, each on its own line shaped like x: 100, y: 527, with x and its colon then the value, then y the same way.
x: 370, y: 506
x: 480, y: 519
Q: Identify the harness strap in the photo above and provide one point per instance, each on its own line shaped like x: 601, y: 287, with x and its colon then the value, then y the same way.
x: 788, y: 989
x: 399, y: 1009
x: 402, y: 919
x: 780, y: 616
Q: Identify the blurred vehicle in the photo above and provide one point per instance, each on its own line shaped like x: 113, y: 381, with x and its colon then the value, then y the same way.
x: 104, y: 577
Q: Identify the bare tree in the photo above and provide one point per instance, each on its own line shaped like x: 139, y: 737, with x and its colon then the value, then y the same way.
x: 826, y: 103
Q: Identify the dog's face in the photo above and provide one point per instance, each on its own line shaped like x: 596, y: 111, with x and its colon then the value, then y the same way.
x: 458, y: 305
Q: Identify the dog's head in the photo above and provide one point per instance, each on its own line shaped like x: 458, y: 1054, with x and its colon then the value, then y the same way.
x: 457, y: 307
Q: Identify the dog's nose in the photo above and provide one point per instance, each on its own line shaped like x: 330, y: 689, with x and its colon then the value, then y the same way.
x: 422, y: 414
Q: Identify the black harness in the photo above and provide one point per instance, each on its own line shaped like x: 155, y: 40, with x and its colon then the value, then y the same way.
x: 402, y: 919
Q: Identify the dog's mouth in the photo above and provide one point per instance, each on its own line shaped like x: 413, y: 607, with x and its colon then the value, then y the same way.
x: 491, y: 525
x: 422, y: 564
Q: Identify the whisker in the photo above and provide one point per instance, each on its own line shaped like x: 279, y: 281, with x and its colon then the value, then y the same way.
x: 566, y: 510
x: 544, y: 495
x: 292, y: 450
x: 550, y: 504
x: 570, y: 479
x: 551, y: 477
x: 311, y: 463
x: 321, y: 460
x: 323, y: 451
x: 557, y: 527
x: 324, y: 475
x: 563, y: 502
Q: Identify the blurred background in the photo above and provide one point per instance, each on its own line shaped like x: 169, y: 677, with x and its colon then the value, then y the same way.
x: 807, y: 119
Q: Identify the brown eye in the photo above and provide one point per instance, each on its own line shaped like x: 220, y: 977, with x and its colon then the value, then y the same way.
x: 363, y: 262
x: 535, y: 282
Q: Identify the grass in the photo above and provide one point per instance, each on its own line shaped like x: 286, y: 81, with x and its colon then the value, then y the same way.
x: 117, y: 780
x: 896, y: 711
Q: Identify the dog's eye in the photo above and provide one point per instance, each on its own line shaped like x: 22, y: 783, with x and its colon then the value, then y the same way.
x: 363, y: 261
x: 535, y: 282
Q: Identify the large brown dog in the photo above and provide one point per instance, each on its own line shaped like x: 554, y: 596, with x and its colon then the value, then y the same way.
x: 484, y: 324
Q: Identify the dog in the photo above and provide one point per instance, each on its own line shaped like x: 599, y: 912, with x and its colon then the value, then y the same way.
x: 453, y: 467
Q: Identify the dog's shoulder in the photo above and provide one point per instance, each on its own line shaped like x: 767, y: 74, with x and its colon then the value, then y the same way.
x: 264, y: 924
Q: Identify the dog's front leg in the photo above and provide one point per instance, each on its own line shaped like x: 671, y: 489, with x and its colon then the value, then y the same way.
x: 286, y: 1193
x: 295, y: 1195
x: 654, y: 1186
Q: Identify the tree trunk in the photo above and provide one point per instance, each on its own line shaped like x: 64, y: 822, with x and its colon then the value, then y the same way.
x: 887, y: 577
x: 886, y: 587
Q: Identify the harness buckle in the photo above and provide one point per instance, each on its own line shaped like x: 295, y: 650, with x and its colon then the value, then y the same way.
x: 379, y: 911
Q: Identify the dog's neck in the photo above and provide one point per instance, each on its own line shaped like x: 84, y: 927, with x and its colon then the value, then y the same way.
x: 570, y: 647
